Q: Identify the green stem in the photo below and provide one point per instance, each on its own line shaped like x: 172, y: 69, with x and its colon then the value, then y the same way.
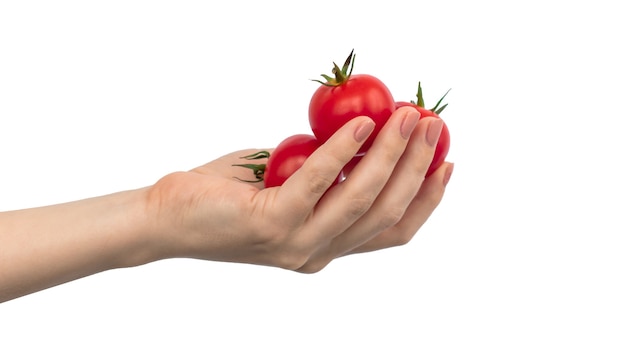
x: 258, y: 170
x: 341, y: 74
x: 420, y: 100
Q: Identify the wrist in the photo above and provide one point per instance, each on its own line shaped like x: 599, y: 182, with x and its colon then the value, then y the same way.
x: 158, y: 212
x: 141, y: 242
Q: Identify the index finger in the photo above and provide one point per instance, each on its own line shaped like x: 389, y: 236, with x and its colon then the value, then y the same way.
x: 305, y: 187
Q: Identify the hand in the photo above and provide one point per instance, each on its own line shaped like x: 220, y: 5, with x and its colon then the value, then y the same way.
x: 207, y: 213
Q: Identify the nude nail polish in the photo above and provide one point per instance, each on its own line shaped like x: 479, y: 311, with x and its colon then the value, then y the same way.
x: 409, y: 122
x: 434, y: 130
x: 363, y: 131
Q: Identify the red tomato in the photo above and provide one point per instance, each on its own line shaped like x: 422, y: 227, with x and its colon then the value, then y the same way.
x: 345, y: 97
x: 285, y: 160
x: 288, y: 157
x: 443, y: 145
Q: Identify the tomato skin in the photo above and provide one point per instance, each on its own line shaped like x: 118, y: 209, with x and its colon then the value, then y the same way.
x: 361, y: 95
x: 443, y: 145
x: 288, y: 157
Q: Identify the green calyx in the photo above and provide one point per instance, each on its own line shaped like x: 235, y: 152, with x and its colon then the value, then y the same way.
x: 420, y: 100
x: 258, y: 170
x: 341, y: 74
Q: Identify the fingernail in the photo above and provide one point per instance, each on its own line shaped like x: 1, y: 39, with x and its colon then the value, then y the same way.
x: 434, y: 130
x: 448, y: 174
x: 408, y: 123
x: 363, y: 131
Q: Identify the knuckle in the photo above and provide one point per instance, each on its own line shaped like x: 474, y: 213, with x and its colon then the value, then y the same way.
x: 318, y: 184
x: 422, y: 168
x: 312, y: 267
x: 403, y: 238
x: 291, y: 260
x: 430, y: 199
x: 390, y: 217
x: 357, y: 207
x: 321, y: 175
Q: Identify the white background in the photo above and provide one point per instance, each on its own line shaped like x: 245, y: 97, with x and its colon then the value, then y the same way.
x: 527, y: 245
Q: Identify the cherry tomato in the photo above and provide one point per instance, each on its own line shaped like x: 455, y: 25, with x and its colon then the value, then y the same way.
x: 346, y: 96
x: 443, y: 145
x: 286, y: 159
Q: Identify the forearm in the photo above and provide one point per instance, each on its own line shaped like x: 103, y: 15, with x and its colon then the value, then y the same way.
x: 46, y: 246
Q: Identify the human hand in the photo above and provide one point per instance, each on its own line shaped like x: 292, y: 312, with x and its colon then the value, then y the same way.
x: 303, y: 225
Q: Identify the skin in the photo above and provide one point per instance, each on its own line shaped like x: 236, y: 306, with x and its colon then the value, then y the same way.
x: 206, y: 214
